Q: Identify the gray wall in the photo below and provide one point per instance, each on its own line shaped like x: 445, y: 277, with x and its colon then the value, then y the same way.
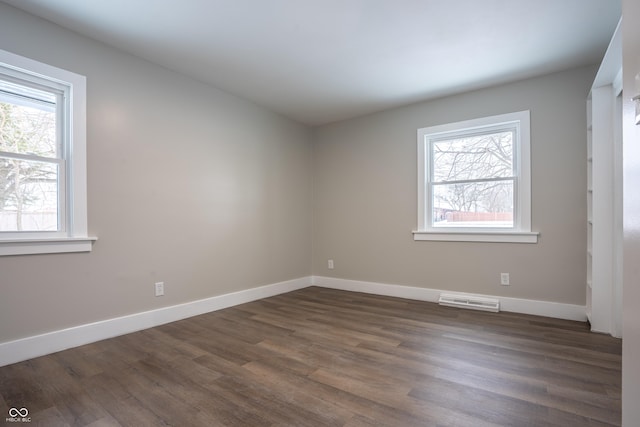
x: 187, y: 185
x: 365, y: 201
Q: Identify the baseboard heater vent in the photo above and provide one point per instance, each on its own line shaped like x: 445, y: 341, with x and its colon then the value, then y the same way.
x: 470, y: 301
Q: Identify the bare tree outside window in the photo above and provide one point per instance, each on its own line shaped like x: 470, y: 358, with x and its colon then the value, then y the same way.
x: 473, y: 180
x: 28, y: 163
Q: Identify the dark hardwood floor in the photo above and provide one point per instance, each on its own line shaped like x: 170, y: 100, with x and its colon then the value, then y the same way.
x: 320, y: 357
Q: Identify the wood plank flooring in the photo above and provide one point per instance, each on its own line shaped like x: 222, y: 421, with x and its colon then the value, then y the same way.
x: 320, y: 357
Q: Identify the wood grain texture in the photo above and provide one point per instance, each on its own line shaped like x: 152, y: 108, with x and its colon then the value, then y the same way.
x: 321, y: 357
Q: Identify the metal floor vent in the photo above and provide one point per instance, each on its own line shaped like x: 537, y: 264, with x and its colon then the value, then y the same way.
x: 470, y: 301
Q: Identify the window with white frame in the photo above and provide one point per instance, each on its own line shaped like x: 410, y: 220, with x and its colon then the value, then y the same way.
x: 42, y: 158
x: 474, y: 180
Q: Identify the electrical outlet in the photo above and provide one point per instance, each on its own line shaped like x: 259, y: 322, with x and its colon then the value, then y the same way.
x: 159, y: 289
x: 330, y: 264
x: 504, y: 279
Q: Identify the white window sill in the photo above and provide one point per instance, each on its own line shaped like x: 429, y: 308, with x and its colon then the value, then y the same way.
x: 45, y: 245
x: 478, y: 236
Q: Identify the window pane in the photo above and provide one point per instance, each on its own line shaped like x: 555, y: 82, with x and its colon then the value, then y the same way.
x: 28, y: 195
x: 27, y: 127
x: 473, y: 157
x: 477, y: 204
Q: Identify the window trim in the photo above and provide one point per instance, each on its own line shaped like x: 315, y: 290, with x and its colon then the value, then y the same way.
x: 521, y: 231
x: 73, y: 236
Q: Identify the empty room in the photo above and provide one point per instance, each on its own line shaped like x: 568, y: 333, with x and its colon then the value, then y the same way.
x: 320, y: 213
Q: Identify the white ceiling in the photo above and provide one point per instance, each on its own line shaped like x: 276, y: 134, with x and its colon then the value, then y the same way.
x: 319, y: 61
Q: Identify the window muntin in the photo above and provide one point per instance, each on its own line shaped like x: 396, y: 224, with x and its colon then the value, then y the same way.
x: 474, y: 181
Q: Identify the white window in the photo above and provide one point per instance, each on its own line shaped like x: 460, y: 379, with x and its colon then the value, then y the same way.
x: 474, y: 180
x: 42, y: 158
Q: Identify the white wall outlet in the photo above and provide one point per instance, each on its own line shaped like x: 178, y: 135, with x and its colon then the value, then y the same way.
x: 330, y: 264
x: 159, y: 289
x: 504, y: 279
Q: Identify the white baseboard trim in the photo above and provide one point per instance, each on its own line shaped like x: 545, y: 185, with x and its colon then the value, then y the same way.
x: 40, y: 345
x: 516, y: 305
x: 51, y: 342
